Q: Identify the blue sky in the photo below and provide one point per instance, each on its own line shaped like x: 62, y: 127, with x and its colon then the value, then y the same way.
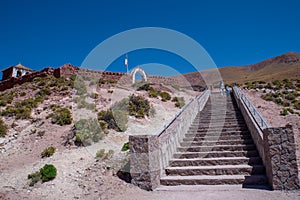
x: 50, y: 33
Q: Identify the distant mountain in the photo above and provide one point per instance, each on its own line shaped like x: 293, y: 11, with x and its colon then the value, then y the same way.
x: 280, y: 67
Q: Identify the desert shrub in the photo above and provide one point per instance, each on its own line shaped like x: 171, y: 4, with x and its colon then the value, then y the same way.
x: 138, y: 106
x: 297, y: 105
x: 43, y: 92
x: 269, y: 86
x: 279, y: 101
x: 41, y: 133
x: 48, y: 152
x: 291, y: 110
x: 61, y: 117
x: 22, y: 94
x: 290, y: 96
x: 94, y: 95
x: 114, y: 119
x: 153, y: 93
x: 286, y: 104
x: 284, y: 112
x: 87, y: 131
x: 3, y: 102
x: 110, y: 91
x: 144, y: 87
x: 125, y: 147
x: 80, y: 86
x: 179, y: 101
x: 3, y: 128
x: 58, y: 82
x: 22, y: 113
x: 48, y: 172
x: 6, y: 98
x: 102, y: 155
x: 105, y: 81
x: 165, y: 96
x: 54, y: 107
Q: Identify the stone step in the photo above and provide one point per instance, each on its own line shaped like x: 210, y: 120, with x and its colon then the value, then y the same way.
x: 215, y: 154
x: 219, y: 116
x: 217, y: 148
x: 246, y: 170
x: 194, y: 137
x: 201, y: 138
x: 220, y: 124
x: 215, y: 120
x: 191, y: 142
x: 223, y: 129
x: 196, y: 133
x: 214, y: 180
x: 215, y: 161
x: 217, y: 113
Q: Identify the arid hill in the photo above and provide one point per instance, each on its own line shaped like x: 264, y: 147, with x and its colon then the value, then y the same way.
x: 280, y: 67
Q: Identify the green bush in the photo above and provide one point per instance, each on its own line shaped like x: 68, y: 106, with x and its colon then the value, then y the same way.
x: 48, y: 172
x: 22, y: 94
x: 43, y: 92
x: 61, y: 116
x: 165, y: 96
x: 153, y: 93
x: 48, y: 152
x: 125, y: 147
x: 3, y: 128
x: 179, y: 101
x: 284, y: 112
x: 87, y: 131
x: 54, y: 107
x: 139, y: 106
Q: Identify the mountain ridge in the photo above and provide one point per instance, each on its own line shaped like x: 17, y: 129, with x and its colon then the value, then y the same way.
x: 286, y: 65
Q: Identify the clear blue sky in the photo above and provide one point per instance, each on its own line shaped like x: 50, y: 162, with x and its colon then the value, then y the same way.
x: 50, y: 33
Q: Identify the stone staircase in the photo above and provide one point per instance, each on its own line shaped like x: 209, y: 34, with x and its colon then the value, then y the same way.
x: 217, y: 150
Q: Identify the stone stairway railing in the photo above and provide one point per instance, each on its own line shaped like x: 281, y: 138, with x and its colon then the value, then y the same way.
x: 150, y: 154
x: 276, y: 146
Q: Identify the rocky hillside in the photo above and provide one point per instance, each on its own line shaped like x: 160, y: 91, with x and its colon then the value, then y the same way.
x: 80, y: 125
x: 278, y: 68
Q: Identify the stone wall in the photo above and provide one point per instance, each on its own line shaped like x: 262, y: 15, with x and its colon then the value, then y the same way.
x: 150, y: 155
x: 67, y: 70
x: 280, y: 155
x: 277, y: 148
x: 11, y: 82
